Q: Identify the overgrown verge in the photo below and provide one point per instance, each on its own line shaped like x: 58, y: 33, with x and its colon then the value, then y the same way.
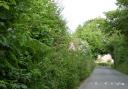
x: 118, y: 20
x: 120, y: 51
x: 34, y: 48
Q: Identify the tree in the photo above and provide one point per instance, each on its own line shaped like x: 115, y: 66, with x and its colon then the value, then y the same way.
x: 93, y: 32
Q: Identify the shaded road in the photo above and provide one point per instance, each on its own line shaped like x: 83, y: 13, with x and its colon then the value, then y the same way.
x: 105, y: 78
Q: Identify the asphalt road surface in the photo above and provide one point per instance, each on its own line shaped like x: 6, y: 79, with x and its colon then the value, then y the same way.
x: 105, y: 78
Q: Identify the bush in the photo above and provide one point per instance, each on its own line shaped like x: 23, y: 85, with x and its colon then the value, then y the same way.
x: 34, y: 48
x: 119, y: 44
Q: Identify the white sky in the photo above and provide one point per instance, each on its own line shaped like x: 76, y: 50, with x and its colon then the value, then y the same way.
x: 78, y: 11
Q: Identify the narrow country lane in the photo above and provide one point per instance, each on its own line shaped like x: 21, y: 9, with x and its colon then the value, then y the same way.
x: 105, y: 78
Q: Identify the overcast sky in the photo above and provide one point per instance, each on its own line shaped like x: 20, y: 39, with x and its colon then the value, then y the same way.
x: 78, y: 11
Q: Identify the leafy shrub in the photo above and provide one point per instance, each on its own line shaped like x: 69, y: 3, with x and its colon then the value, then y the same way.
x: 34, y: 48
x: 119, y: 44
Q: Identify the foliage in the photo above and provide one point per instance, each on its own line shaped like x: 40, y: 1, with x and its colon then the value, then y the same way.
x: 34, y: 50
x: 122, y: 2
x: 119, y: 44
x: 93, y: 32
x: 118, y: 20
x: 108, y: 36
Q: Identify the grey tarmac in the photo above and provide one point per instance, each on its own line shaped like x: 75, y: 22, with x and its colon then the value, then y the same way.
x: 105, y: 78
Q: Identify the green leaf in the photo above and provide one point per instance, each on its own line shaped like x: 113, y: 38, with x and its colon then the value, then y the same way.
x: 4, y: 4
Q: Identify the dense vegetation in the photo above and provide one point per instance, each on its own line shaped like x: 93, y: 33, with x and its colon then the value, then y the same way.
x: 109, y: 35
x: 118, y: 21
x: 92, y: 32
x: 34, y: 48
x: 37, y: 52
